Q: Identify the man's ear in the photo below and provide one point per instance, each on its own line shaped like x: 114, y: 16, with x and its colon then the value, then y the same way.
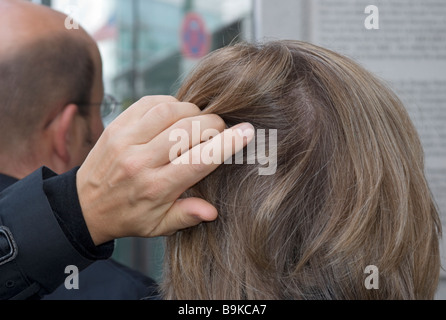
x: 63, y: 126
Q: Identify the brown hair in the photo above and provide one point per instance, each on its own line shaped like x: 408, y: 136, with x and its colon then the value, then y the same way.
x: 349, y: 190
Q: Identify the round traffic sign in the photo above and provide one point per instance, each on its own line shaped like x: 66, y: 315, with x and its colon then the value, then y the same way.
x: 195, y: 40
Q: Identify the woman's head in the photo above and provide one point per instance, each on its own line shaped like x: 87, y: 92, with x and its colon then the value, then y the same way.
x: 349, y: 188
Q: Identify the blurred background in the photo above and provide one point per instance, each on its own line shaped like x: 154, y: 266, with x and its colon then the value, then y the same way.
x: 148, y: 46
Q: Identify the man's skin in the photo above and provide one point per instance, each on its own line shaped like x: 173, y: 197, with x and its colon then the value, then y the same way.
x: 127, y: 185
x: 63, y: 144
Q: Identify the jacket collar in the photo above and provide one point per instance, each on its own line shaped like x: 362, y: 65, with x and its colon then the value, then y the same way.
x: 6, y: 181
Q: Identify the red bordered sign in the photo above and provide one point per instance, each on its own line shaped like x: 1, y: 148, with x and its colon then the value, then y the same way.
x: 195, y: 40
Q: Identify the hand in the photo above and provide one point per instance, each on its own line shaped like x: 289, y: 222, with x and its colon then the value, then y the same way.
x: 128, y: 185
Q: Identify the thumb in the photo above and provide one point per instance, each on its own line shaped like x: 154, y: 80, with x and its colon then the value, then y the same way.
x: 186, y: 213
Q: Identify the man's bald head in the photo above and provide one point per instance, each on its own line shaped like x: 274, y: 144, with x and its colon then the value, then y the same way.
x: 22, y: 22
x: 43, y: 67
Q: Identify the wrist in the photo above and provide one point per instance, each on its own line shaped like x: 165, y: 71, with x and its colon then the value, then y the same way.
x: 61, y: 192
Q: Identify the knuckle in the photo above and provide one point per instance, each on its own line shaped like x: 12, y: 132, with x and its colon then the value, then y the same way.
x: 197, y: 164
x: 185, y: 124
x: 110, y: 131
x: 165, y: 112
x: 213, y: 121
x: 129, y: 165
x: 166, y: 98
x: 194, y: 109
x: 153, y: 192
x: 146, y: 100
x: 155, y: 188
x: 218, y: 122
x: 114, y: 144
x: 154, y: 99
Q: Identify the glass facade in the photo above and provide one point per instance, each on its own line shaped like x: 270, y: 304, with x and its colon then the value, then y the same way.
x: 150, y: 50
x: 147, y: 46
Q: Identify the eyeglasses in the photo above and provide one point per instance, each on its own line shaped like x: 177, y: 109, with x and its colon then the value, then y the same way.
x: 110, y: 107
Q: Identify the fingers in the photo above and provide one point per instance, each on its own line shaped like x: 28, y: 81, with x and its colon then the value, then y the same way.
x: 137, y: 110
x: 151, y: 115
x: 153, y: 153
x: 183, y: 214
x: 193, y: 165
x: 160, y: 118
x: 183, y: 135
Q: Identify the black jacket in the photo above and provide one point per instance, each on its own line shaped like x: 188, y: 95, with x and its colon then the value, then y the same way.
x: 42, y: 231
